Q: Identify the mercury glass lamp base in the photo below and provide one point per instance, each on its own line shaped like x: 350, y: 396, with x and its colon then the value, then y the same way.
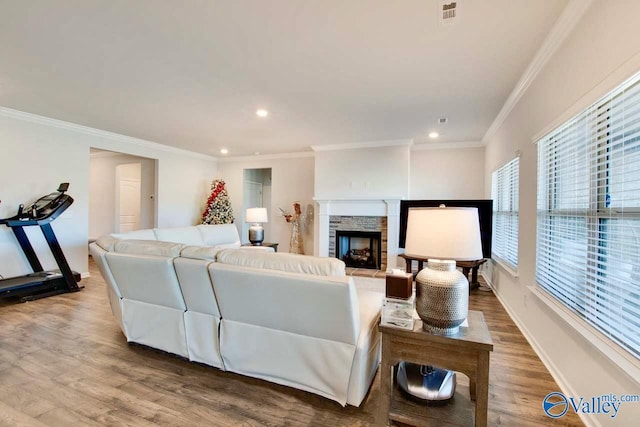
x: 440, y: 331
x: 442, y: 297
x: 256, y: 234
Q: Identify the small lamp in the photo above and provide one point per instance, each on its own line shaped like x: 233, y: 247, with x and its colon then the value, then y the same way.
x: 256, y: 216
x: 443, y: 236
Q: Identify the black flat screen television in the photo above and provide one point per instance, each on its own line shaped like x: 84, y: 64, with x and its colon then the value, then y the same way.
x: 485, y: 216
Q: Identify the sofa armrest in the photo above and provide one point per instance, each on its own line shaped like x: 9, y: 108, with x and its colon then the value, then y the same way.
x: 258, y: 248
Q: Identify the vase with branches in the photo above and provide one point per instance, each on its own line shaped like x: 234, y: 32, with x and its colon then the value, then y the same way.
x: 296, y: 219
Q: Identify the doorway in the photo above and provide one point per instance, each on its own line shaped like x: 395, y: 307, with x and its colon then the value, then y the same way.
x: 122, y: 192
x: 256, y: 193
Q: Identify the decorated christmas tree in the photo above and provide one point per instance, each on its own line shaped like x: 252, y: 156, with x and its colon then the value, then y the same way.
x: 218, y: 210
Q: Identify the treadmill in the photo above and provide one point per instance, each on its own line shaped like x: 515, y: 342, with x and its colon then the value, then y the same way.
x: 40, y: 283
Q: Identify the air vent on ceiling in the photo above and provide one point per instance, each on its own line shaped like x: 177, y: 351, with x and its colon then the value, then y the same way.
x: 442, y: 120
x: 449, y: 12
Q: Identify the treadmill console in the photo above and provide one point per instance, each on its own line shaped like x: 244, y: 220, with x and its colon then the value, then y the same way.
x: 49, y: 206
x: 46, y: 208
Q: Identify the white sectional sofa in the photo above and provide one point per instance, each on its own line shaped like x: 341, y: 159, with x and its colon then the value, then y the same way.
x: 294, y: 320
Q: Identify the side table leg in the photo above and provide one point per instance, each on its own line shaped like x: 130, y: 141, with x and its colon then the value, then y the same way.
x: 465, y: 271
x: 385, y: 385
x: 474, y: 275
x: 482, y: 389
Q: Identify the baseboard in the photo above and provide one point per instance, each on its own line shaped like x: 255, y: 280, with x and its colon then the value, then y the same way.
x: 557, y: 375
x: 85, y: 275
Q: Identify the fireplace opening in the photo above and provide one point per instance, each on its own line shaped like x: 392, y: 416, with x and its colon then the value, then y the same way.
x: 359, y: 249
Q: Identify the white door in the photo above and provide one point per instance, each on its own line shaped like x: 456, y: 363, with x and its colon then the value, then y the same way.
x: 128, y: 197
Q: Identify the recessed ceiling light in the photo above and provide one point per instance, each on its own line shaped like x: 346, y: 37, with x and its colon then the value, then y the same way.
x: 224, y: 151
x: 256, y: 153
x: 433, y: 135
x: 262, y: 113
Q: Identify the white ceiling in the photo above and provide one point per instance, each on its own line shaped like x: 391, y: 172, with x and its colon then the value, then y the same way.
x: 192, y: 73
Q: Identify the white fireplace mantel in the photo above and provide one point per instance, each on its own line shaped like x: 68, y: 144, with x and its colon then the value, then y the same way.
x: 380, y: 206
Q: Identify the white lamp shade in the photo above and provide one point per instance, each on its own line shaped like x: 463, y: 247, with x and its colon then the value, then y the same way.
x: 444, y: 233
x: 256, y: 215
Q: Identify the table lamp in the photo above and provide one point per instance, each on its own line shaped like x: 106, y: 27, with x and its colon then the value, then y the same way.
x: 443, y: 236
x: 256, y: 216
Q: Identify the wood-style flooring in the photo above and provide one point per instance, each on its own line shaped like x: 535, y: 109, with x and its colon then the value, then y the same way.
x: 64, y: 362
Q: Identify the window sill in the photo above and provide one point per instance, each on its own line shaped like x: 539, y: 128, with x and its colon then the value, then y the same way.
x: 625, y: 361
x: 504, y: 266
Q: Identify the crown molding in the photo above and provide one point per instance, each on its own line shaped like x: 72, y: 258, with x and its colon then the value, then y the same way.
x: 106, y: 153
x: 447, y: 145
x: 61, y: 124
x: 369, y: 144
x: 570, y: 16
x: 260, y: 157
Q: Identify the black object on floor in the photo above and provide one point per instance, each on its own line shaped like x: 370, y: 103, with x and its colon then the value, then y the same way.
x: 425, y: 382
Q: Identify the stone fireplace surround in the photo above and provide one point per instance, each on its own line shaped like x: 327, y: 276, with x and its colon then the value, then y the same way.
x: 388, y: 208
x: 362, y: 224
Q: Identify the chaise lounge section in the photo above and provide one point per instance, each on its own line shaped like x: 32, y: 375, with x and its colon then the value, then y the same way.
x: 290, y: 319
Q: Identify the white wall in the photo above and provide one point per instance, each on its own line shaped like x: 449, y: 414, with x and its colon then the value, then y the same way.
x: 602, y: 50
x: 39, y: 153
x: 408, y: 172
x: 102, y: 191
x: 291, y: 180
x: 362, y: 172
x: 447, y: 174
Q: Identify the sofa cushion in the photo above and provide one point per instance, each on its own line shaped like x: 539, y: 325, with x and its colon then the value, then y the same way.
x: 147, y: 234
x: 146, y: 278
x: 221, y: 235
x: 185, y: 235
x: 293, y: 263
x: 199, y: 252
x: 148, y: 247
x: 106, y: 242
x: 324, y: 307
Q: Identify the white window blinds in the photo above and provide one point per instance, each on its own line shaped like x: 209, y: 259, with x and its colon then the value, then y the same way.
x: 504, y: 192
x: 588, y: 229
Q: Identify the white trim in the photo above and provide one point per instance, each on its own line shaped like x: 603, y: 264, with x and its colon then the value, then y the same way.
x: 369, y: 144
x: 544, y: 358
x: 85, y: 275
x: 618, y: 356
x: 504, y: 265
x: 447, y: 145
x: 570, y: 16
x: 107, y: 153
x: 260, y: 157
x: 47, y: 121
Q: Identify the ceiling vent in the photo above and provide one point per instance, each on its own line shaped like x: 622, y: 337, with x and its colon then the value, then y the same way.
x: 442, y: 120
x: 449, y: 12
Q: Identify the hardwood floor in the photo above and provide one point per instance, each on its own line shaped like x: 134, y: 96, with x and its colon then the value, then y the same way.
x: 64, y: 362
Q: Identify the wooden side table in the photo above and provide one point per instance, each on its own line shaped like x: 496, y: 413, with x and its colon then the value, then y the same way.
x: 467, y: 266
x: 265, y: 244
x: 473, y: 267
x: 466, y: 352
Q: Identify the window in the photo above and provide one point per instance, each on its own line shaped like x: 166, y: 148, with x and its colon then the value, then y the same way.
x: 504, y: 192
x: 588, y: 226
